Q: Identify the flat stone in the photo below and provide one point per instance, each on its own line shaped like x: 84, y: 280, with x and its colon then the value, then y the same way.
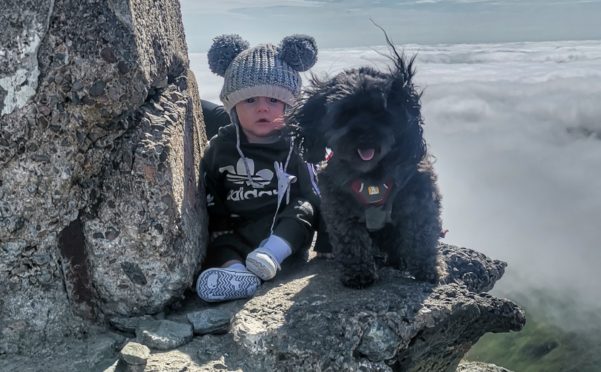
x: 134, y: 353
x: 129, y: 324
x: 164, y: 334
x: 215, y: 321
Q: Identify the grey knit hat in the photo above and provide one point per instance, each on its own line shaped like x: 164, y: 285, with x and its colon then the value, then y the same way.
x: 265, y: 70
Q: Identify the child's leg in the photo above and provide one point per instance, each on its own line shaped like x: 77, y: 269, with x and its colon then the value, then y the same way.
x: 265, y: 261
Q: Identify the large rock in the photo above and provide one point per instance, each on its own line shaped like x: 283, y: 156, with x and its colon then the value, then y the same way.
x: 101, y: 134
x: 305, y: 320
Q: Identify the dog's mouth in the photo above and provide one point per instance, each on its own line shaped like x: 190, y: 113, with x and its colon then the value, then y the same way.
x: 366, y: 153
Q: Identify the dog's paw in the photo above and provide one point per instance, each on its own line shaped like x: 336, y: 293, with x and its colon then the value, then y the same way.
x: 359, y: 280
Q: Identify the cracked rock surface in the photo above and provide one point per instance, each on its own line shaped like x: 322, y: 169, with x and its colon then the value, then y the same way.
x: 306, y: 320
x: 101, y: 136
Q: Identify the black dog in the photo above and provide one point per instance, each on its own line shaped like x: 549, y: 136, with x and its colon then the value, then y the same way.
x: 378, y: 188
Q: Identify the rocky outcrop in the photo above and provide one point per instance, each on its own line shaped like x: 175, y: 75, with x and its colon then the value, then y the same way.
x: 101, y: 134
x: 102, y: 221
x: 309, y: 321
x: 306, y: 320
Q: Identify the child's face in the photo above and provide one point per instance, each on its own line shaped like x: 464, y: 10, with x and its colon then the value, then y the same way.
x: 260, y: 117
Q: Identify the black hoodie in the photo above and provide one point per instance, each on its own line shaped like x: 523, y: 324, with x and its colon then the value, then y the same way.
x: 235, y: 204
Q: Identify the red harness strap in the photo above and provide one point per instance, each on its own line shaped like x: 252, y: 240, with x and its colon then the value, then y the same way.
x: 372, y: 194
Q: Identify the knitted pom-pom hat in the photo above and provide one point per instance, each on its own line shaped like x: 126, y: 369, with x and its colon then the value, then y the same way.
x: 265, y: 70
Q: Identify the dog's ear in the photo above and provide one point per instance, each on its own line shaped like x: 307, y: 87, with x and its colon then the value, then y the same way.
x: 306, y: 120
x: 403, y: 94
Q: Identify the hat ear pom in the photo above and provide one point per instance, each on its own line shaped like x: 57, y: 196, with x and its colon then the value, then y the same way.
x: 298, y: 51
x: 223, y: 51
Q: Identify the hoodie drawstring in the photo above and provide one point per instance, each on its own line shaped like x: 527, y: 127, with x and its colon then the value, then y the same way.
x: 284, y: 181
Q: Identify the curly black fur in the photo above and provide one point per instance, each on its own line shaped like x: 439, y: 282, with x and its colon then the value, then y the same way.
x: 378, y: 113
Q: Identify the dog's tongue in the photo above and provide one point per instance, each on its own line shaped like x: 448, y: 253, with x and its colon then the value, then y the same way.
x: 366, y: 154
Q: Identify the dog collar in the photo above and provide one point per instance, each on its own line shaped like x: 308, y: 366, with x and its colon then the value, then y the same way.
x: 375, y: 198
x: 370, y: 194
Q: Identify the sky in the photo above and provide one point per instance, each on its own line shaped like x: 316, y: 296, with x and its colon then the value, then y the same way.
x: 346, y: 23
x: 515, y: 128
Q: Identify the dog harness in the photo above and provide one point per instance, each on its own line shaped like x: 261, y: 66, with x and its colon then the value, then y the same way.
x: 376, y: 198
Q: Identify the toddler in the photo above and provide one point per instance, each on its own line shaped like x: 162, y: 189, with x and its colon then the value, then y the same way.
x: 261, y: 196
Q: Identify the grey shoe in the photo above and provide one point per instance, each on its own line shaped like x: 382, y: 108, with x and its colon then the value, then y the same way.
x: 220, y: 284
x: 262, y: 263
